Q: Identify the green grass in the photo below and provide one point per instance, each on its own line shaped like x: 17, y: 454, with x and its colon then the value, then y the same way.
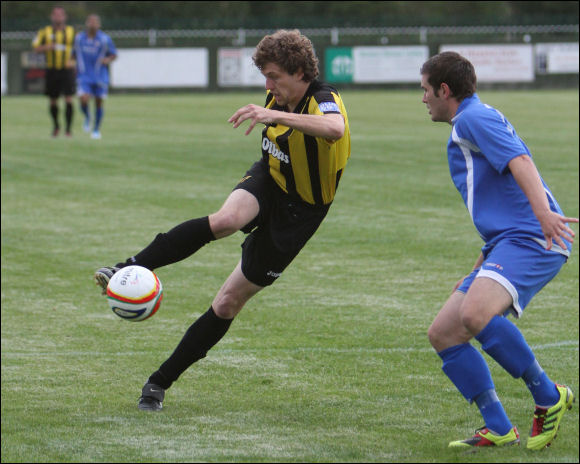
x: 331, y: 364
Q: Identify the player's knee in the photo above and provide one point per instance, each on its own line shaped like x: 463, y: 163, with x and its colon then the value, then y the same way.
x: 444, y: 333
x: 225, y: 222
x: 435, y: 335
x: 227, y: 305
x: 472, y: 320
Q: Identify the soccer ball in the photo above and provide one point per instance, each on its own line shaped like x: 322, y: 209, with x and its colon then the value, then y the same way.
x: 134, y: 293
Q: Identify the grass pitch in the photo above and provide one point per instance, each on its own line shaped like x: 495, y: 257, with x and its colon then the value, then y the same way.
x: 332, y: 363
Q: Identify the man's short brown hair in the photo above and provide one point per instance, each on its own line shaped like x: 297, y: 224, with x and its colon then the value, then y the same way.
x: 453, y: 69
x: 290, y: 50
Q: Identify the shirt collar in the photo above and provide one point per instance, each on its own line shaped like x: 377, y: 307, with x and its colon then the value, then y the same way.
x: 474, y: 99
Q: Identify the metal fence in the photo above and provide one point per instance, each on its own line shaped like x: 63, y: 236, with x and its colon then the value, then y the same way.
x: 20, y: 62
x: 332, y: 35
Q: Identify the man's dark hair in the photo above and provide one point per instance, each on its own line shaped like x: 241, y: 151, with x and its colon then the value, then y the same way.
x: 290, y: 50
x: 453, y: 69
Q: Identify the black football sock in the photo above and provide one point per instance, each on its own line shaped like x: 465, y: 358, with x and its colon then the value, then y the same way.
x: 177, y: 244
x: 69, y: 116
x: 54, y: 114
x: 197, y: 341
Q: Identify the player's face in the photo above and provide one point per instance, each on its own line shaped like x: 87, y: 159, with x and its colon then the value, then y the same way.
x: 287, y: 89
x: 93, y: 23
x: 58, y: 16
x: 436, y: 104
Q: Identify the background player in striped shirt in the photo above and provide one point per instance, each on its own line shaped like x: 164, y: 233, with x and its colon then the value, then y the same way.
x: 279, y: 203
x: 527, y: 241
x: 93, y: 51
x: 56, y: 42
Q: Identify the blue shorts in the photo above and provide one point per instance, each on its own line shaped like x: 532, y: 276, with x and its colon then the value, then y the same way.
x: 522, y: 266
x: 96, y: 89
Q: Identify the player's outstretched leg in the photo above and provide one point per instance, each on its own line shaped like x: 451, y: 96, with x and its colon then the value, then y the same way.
x: 177, y: 244
x: 239, y: 209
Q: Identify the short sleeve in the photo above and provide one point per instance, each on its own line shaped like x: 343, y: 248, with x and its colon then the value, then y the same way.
x: 112, y: 50
x: 39, y: 38
x: 327, y: 102
x: 493, y: 135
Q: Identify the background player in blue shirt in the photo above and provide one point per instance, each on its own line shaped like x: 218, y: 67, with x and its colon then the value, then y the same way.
x: 527, y: 240
x: 93, y: 51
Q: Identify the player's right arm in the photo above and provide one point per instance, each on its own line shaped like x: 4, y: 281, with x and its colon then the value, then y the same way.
x: 38, y: 45
x: 327, y: 126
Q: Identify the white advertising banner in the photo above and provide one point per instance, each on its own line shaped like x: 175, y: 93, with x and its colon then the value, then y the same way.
x: 236, y: 68
x: 498, y: 63
x: 557, y: 58
x: 4, y: 71
x: 160, y: 67
x: 388, y: 64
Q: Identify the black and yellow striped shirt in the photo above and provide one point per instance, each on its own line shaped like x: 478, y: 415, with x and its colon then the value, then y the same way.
x: 302, y: 165
x: 63, y: 39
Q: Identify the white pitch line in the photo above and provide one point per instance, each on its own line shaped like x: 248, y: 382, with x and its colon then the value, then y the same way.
x: 562, y: 344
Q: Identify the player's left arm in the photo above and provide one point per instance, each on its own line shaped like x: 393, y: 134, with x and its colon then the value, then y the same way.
x: 328, y: 126
x: 111, y: 52
x: 553, y: 225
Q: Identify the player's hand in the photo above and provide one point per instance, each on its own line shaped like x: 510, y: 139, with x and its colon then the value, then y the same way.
x: 555, y: 229
x: 44, y: 48
x: 256, y: 114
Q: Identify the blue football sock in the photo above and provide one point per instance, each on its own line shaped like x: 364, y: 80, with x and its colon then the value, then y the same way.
x: 85, y: 110
x: 503, y: 341
x: 467, y: 369
x: 493, y: 412
x: 541, y: 387
x: 98, y: 116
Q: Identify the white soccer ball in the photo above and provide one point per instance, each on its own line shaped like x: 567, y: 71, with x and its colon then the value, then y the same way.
x: 134, y: 293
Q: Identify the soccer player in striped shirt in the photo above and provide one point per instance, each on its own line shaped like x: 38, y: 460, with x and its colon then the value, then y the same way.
x: 56, y: 42
x: 527, y: 241
x: 280, y: 202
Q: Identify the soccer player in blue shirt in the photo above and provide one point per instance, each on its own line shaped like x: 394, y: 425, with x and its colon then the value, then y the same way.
x: 93, y: 51
x: 527, y: 241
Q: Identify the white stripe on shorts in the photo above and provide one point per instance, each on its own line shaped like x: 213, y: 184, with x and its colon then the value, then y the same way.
x: 505, y: 284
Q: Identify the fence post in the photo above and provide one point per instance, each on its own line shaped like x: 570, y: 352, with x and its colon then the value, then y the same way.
x: 152, y: 37
x: 334, y: 36
x: 423, y: 35
x: 241, y: 38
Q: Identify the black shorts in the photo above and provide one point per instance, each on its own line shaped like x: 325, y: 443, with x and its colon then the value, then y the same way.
x: 281, y: 229
x: 59, y: 82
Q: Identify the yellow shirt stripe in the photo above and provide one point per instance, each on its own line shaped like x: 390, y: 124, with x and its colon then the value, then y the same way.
x: 302, y: 165
x: 63, y: 39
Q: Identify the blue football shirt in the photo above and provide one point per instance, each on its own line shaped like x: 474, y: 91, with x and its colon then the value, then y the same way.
x: 89, y: 52
x: 481, y: 145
